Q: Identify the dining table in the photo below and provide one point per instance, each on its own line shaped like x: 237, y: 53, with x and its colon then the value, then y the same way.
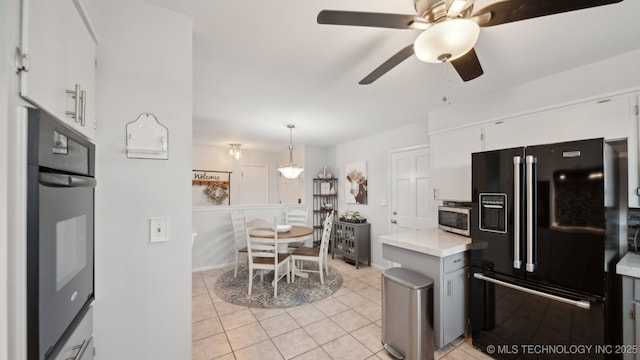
x: 295, y: 234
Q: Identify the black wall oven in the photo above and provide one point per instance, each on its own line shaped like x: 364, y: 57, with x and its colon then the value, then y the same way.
x: 60, y: 232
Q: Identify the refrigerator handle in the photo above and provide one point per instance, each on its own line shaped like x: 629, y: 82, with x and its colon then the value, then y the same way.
x: 583, y: 304
x: 517, y: 261
x: 530, y: 160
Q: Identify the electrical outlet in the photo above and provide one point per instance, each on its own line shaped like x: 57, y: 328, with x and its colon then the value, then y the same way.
x: 158, y: 229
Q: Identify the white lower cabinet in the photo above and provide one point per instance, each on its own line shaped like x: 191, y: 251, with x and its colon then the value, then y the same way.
x: 454, y: 304
x: 79, y: 346
x: 631, y: 316
x: 453, y: 297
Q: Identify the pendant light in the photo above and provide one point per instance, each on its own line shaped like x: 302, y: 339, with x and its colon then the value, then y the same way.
x: 290, y: 171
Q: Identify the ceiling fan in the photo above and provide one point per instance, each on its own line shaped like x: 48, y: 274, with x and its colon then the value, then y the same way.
x: 450, y: 28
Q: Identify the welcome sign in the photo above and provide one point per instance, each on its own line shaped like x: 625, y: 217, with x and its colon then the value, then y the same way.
x: 211, y: 187
x: 203, y: 177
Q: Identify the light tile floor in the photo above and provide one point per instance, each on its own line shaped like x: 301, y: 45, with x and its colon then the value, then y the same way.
x: 346, y: 325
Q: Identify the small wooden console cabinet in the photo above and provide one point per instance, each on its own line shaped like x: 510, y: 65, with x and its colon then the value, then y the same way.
x: 352, y: 241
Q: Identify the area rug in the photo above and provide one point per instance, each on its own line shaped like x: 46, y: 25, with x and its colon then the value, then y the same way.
x: 303, y: 291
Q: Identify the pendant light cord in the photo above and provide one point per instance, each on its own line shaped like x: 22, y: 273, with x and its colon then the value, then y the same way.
x: 445, y: 83
x: 290, y: 126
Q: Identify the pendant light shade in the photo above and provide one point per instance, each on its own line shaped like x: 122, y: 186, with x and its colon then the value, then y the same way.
x: 290, y: 171
x: 446, y: 40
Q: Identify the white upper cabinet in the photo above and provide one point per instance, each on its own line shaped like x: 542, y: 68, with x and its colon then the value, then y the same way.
x: 88, y: 10
x: 613, y: 118
x: 59, y: 58
x: 451, y: 153
x: 607, y: 118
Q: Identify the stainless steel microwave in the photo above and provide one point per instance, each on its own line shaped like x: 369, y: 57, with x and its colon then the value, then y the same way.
x: 454, y: 217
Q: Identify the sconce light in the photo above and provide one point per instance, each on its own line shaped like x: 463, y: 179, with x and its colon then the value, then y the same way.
x: 234, y: 150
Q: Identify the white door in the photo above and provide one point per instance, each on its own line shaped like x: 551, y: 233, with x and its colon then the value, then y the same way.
x: 254, y: 184
x: 290, y: 190
x: 412, y: 206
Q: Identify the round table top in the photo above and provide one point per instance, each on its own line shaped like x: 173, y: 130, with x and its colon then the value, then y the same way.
x: 295, y: 232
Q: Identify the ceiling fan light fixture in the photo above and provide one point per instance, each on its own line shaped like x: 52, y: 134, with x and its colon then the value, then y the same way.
x: 446, y: 40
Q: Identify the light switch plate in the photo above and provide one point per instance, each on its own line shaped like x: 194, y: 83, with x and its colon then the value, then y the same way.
x: 158, y: 229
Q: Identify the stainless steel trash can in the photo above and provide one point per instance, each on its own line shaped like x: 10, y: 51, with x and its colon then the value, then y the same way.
x: 407, y: 314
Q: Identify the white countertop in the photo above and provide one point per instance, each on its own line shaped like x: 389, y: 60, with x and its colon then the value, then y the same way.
x: 432, y: 241
x: 629, y: 265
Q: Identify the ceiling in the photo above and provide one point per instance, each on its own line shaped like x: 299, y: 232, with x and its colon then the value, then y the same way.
x: 260, y: 65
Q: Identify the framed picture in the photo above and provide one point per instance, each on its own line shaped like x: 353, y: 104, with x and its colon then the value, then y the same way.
x: 325, y: 188
x: 211, y: 188
x: 356, y: 183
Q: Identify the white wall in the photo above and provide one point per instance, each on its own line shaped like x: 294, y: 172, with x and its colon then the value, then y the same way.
x: 217, y: 158
x: 143, y: 290
x: 375, y: 151
x: 214, y: 245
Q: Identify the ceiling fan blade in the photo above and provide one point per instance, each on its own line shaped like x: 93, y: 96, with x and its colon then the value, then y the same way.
x: 516, y: 10
x: 481, y: 19
x: 396, y: 59
x: 357, y: 18
x: 468, y: 66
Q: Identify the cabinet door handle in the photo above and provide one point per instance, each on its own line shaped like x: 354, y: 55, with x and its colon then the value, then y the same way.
x: 83, y: 107
x: 448, y: 287
x: 80, y: 349
x: 76, y: 93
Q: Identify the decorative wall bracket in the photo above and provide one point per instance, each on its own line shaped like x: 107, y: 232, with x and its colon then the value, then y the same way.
x: 147, y: 138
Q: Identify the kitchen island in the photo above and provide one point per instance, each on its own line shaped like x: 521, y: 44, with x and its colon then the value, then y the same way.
x: 443, y: 257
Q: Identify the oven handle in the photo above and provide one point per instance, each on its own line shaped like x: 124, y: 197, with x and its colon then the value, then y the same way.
x: 579, y: 303
x: 62, y: 180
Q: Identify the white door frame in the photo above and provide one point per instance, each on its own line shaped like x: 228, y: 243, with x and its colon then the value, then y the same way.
x: 390, y: 203
x: 243, y: 184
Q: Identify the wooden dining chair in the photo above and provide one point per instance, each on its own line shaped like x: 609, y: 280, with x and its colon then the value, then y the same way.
x: 259, y: 223
x: 297, y: 217
x: 238, y: 223
x: 317, y: 255
x: 263, y: 255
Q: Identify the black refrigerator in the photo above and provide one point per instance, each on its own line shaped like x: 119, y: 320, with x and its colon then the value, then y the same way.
x: 539, y: 285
